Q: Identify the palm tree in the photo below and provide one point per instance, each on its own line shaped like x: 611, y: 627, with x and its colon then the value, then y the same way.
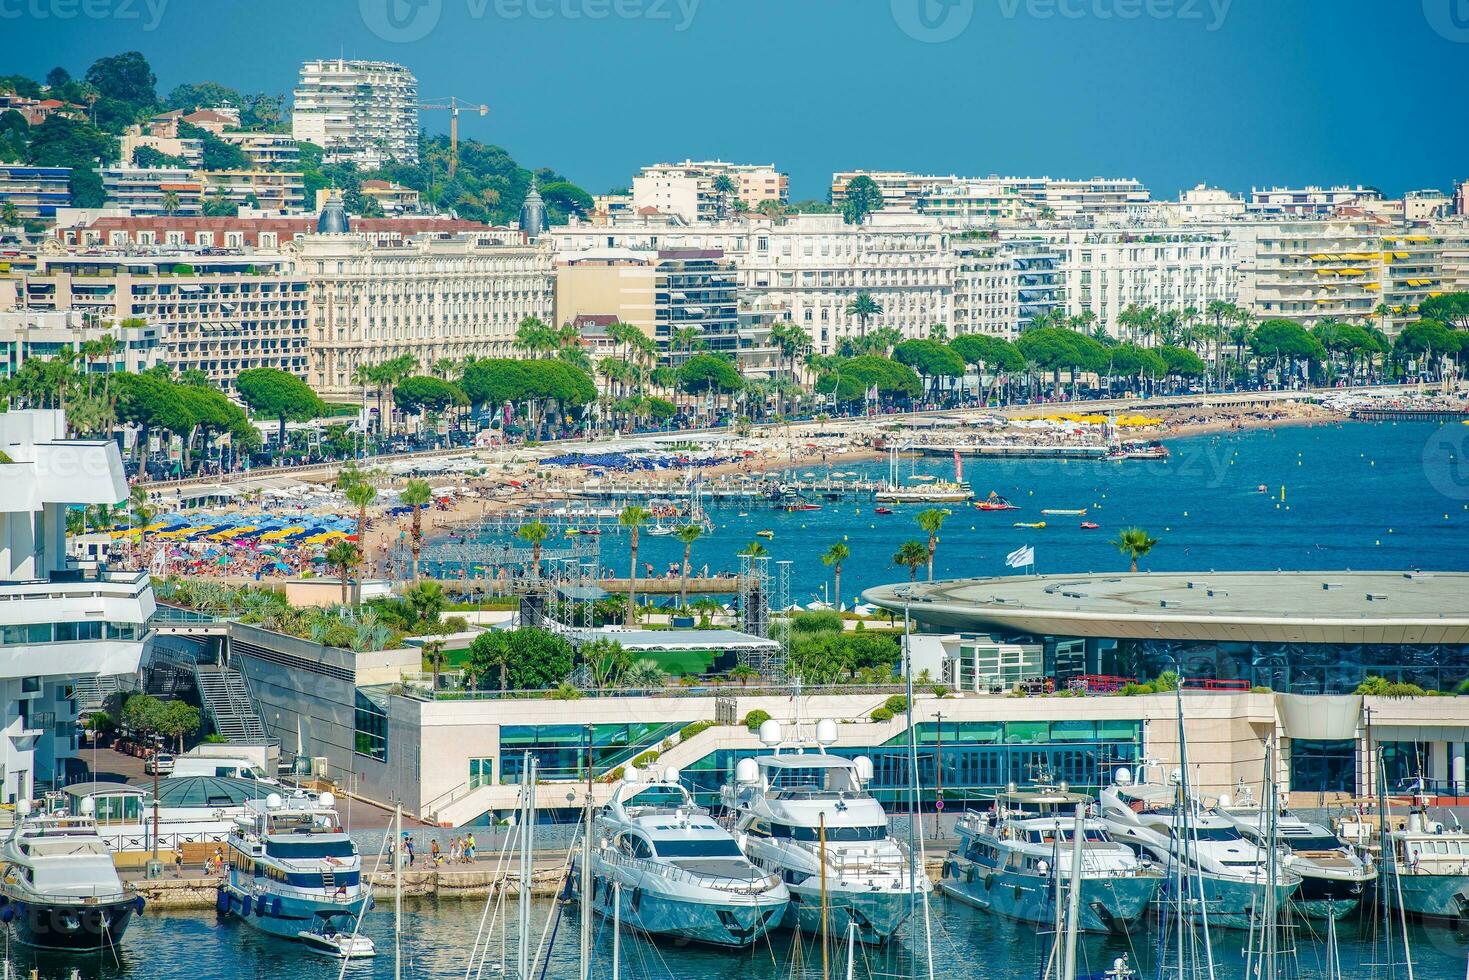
x: 743, y: 673
x: 433, y: 652
x: 344, y: 557
x: 834, y: 557
x: 416, y: 494
x: 633, y: 517
x: 911, y: 555
x: 863, y: 307
x: 1135, y: 543
x: 931, y: 521
x: 724, y: 186
x: 143, y: 511
x: 754, y: 550
x: 171, y: 203
x: 536, y: 533
x: 688, y: 534
x: 357, y: 487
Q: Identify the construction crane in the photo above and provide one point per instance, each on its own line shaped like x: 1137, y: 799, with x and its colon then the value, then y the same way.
x: 454, y: 105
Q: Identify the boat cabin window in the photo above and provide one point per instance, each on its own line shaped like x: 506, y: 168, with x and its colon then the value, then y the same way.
x: 714, y: 847
x: 833, y: 834
x: 1215, y: 833
x: 814, y: 782
x: 1095, y: 835
x: 634, y: 846
x: 309, y: 848
x: 1326, y: 843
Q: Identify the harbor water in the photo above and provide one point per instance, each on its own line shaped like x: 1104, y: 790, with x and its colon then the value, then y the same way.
x: 1343, y: 495
x: 438, y: 938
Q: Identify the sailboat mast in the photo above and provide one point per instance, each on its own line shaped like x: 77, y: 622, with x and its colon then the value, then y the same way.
x: 522, y: 951
x: 1073, y: 899
x: 825, y: 934
x: 586, y: 870
x: 398, y: 890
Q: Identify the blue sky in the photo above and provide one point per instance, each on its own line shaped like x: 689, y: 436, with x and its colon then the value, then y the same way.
x: 1231, y: 92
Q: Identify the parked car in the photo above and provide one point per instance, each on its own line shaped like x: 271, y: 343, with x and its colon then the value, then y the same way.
x: 162, y: 762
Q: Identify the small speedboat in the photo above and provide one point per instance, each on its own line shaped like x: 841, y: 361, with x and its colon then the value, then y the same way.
x: 800, y: 508
x: 1033, y: 524
x: 767, y: 535
x: 995, y: 502
x: 338, y: 945
x: 882, y: 510
x: 1089, y: 525
x: 1064, y: 512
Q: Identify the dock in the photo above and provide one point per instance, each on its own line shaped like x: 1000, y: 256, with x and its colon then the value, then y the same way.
x: 1008, y: 450
x: 1409, y: 415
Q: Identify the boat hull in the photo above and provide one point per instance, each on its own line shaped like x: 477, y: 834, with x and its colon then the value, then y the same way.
x: 286, y: 916
x: 1109, y: 904
x: 1431, y: 896
x: 730, y: 920
x: 878, y: 915
x: 1230, y: 903
x: 69, y: 928
x: 1321, y: 898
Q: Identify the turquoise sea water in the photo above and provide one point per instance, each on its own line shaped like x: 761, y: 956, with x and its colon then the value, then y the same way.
x: 1356, y: 495
x: 438, y: 937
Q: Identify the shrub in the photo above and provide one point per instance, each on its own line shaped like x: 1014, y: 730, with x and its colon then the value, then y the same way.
x: 941, y: 690
x: 690, y: 730
x: 819, y: 621
x: 755, y: 719
x: 881, y: 714
x: 1260, y: 689
x: 646, y: 759
x: 897, y: 704
x: 1384, y: 688
x: 566, y: 692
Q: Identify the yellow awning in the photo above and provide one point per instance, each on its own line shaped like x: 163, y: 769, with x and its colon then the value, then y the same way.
x: 1325, y: 272
x: 1351, y: 272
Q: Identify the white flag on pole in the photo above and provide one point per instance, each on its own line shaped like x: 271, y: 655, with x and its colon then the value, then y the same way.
x: 1020, y: 557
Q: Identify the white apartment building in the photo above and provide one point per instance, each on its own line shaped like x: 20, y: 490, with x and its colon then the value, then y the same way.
x: 363, y: 112
x: 1104, y: 271
x: 974, y: 202
x: 1068, y: 199
x: 266, y: 151
x: 986, y: 300
x: 900, y: 189
x: 27, y: 334
x: 977, y: 200
x: 145, y: 191
x: 1201, y: 205
x: 1310, y: 201
x: 61, y: 621
x: 430, y: 297
x: 812, y: 265
x: 219, y: 314
x: 272, y: 190
x: 687, y: 189
x: 1344, y: 269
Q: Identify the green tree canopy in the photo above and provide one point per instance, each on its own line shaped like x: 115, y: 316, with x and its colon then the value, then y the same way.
x: 524, y: 659
x: 984, y: 351
x: 275, y: 394
x: 1285, y: 338
x: 496, y: 381
x: 422, y: 392
x: 1182, y: 361
x: 863, y: 198
x: 709, y: 373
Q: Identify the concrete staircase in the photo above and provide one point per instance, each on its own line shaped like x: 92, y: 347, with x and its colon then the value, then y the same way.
x: 225, y: 695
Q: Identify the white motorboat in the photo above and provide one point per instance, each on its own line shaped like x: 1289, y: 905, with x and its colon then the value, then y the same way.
x: 806, y: 816
x: 61, y: 890
x: 1231, y: 871
x: 1334, y: 874
x: 668, y: 869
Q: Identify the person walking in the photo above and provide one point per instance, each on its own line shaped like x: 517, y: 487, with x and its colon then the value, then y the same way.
x: 178, y: 860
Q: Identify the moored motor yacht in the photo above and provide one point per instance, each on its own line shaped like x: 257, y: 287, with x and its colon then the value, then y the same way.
x: 1334, y: 874
x: 807, y: 817
x: 1009, y: 858
x: 669, y: 869
x: 61, y: 890
x: 1231, y: 872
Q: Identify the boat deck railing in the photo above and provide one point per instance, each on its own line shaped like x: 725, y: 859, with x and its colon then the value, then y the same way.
x: 743, y: 886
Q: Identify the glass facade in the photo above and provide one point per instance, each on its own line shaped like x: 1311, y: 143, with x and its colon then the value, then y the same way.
x: 970, y: 760
x: 1328, y: 766
x: 68, y: 632
x: 1294, y: 668
x: 560, y: 751
x: 372, y: 728
x: 1404, y: 764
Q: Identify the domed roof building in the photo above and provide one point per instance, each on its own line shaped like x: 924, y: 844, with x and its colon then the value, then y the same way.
x: 533, y: 213
x: 333, y: 219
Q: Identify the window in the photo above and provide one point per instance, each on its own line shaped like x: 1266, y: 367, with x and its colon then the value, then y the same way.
x: 718, y: 847
x: 310, y: 849
x: 1328, y: 766
x: 481, y: 772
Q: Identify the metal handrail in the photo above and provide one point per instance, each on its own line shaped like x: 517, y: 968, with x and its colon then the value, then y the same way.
x: 747, y: 886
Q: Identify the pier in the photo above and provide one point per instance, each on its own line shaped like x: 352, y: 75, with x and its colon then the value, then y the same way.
x: 1408, y: 415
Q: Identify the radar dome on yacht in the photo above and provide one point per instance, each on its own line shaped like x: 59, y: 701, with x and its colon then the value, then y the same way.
x: 630, y: 774
x: 670, y: 775
x: 89, y: 806
x: 23, y: 807
x: 1010, y: 788
x: 328, y: 801
x: 864, y: 768
x: 1124, y: 776
x: 826, y: 732
x: 770, y: 733
x: 1176, y: 776
x: 273, y: 801
x: 1063, y: 786
x: 747, y: 772
x: 1224, y: 800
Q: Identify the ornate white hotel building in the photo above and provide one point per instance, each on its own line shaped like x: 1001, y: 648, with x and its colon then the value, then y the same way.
x: 60, y: 620
x: 430, y: 297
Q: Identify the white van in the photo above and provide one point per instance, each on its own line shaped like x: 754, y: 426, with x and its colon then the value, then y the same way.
x: 187, y: 765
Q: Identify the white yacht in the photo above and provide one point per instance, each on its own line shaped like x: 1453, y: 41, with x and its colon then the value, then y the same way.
x: 293, y: 873
x: 1334, y: 874
x: 61, y: 890
x: 670, y: 870
x: 1008, y: 859
x: 1230, y: 870
x: 807, y: 817
x: 1425, y: 869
